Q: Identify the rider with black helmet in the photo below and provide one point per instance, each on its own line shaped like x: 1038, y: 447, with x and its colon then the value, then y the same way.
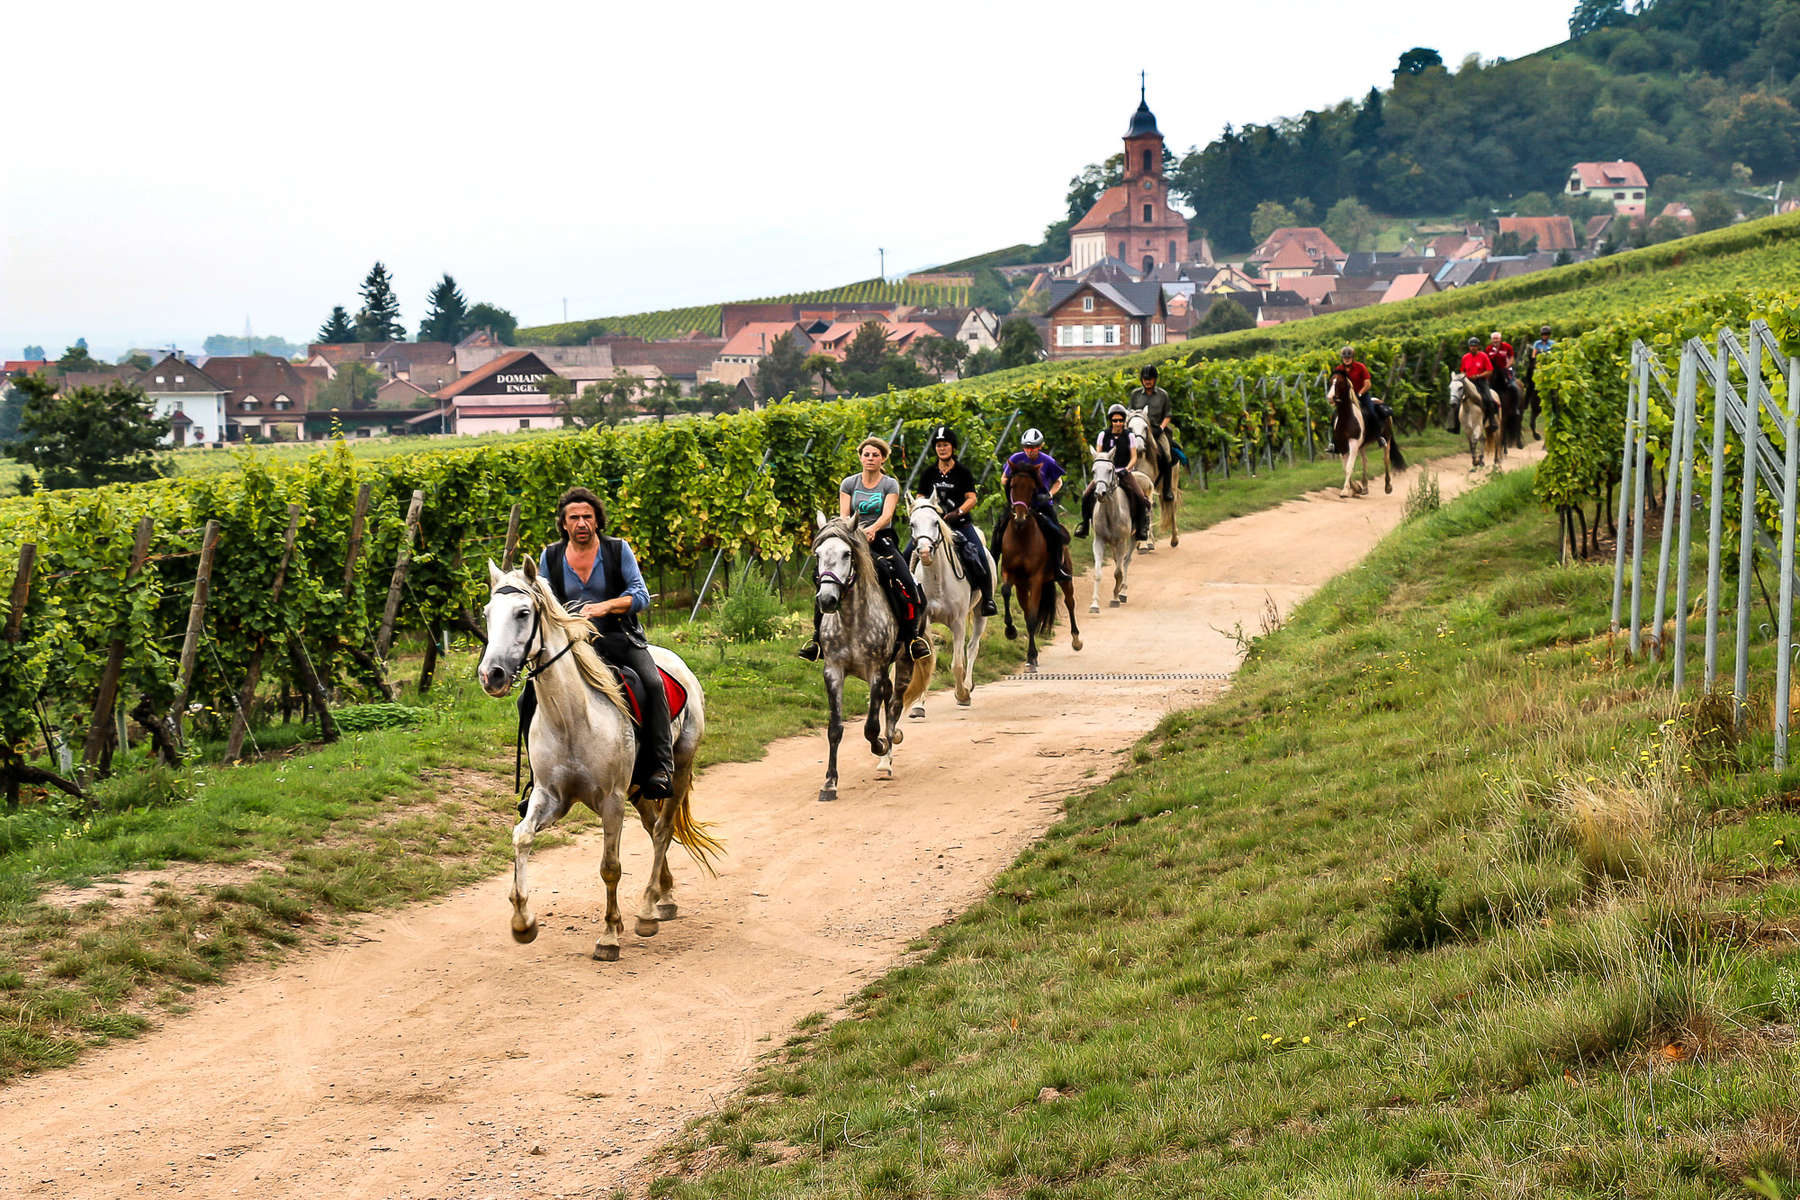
x: 1033, y: 458
x: 949, y: 483
x: 1118, y: 443
x: 1154, y: 403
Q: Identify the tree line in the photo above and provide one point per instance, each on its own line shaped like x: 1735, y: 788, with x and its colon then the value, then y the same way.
x: 449, y: 317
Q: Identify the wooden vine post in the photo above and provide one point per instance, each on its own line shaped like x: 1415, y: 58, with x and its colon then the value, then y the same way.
x: 96, y: 752
x: 190, y: 642
x: 386, y: 638
x: 240, y: 723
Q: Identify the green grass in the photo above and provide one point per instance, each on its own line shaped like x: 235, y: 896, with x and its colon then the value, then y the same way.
x: 1349, y: 932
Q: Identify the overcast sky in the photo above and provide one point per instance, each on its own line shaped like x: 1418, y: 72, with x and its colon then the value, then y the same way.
x: 178, y: 168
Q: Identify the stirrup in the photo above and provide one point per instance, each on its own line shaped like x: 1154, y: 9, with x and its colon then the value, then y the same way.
x: 1081, y: 530
x: 658, y: 785
x: 810, y: 652
x: 919, y: 648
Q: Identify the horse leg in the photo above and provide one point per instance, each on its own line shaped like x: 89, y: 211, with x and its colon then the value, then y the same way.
x: 661, y: 829
x: 540, y: 814
x: 1387, y: 472
x: 880, y: 688
x: 612, y: 822
x: 1012, y: 631
x: 908, y: 676
x: 834, y: 733
x: 977, y: 629
x: 1099, y: 567
x: 1068, y: 590
x: 1344, y: 492
x: 1121, y: 569
x: 959, y: 652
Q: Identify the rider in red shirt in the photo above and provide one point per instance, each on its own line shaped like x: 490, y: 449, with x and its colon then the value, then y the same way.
x: 1478, y: 367
x: 1360, y: 381
x: 1500, y: 353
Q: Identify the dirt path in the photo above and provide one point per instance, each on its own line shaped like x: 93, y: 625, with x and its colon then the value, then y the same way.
x: 439, y: 1059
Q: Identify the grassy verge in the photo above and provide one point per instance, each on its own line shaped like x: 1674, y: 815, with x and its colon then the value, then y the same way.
x: 1441, y: 899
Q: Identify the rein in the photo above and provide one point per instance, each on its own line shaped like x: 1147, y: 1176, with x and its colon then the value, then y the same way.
x: 944, y: 541
x: 527, y: 682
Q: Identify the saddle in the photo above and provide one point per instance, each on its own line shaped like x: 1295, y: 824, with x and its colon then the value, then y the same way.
x: 634, y: 692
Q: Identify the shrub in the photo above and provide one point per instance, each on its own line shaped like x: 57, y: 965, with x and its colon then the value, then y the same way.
x: 358, y: 718
x: 1412, y: 916
x: 1423, y: 498
x: 751, y: 610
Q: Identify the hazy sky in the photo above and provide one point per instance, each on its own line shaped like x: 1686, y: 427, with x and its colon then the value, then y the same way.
x: 177, y: 168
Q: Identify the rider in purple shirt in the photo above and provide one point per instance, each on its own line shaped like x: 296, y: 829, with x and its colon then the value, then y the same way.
x: 1032, y: 458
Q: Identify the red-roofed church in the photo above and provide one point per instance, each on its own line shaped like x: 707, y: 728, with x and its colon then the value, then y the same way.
x: 1132, y: 221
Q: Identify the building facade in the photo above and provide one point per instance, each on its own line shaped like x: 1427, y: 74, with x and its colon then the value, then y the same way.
x: 1092, y: 320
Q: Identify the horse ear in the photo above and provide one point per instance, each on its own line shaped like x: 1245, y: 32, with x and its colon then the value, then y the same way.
x: 530, y: 565
x: 818, y: 519
x: 494, y: 575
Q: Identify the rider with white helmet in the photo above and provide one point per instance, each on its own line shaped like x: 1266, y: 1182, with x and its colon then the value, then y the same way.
x: 1033, y: 459
x: 1125, y: 449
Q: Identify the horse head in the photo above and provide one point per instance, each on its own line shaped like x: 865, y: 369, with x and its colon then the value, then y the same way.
x: 1338, y: 388
x: 1021, y: 490
x: 512, y: 626
x: 927, y: 521
x: 1104, y: 475
x: 836, y: 572
x: 1137, y: 421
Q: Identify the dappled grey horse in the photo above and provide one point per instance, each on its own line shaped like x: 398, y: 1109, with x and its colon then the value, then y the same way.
x: 583, y: 746
x: 859, y: 636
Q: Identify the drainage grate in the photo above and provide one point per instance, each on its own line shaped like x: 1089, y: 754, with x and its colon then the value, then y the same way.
x: 1112, y: 676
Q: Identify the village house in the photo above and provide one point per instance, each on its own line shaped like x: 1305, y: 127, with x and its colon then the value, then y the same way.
x: 738, y: 358
x: 395, y: 402
x: 1089, y: 319
x: 505, y: 394
x: 1310, y: 239
x: 266, y: 397
x: 1133, y: 220
x: 1541, y: 233
x: 191, y: 399
x: 1618, y: 181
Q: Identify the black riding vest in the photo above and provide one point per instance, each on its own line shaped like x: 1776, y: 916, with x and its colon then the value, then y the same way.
x: 621, y: 623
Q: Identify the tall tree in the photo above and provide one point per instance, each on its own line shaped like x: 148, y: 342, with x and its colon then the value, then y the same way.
x: 1590, y: 15
x: 337, y: 330
x: 782, y: 371
x: 1418, y: 60
x: 492, y: 316
x: 867, y: 351
x: 1352, y: 225
x: 77, y: 358
x: 89, y: 436
x: 1020, y: 344
x: 379, y: 318
x: 940, y: 354
x: 1269, y: 216
x: 1224, y: 316
x: 34, y: 354
x: 446, y: 318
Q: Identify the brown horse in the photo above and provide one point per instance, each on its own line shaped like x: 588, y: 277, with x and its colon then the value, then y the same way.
x: 1025, y: 565
x: 1350, y: 436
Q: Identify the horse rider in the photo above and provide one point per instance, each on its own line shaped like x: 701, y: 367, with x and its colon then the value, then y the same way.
x: 949, y: 483
x: 597, y: 577
x: 1374, y: 411
x: 1153, y: 402
x: 1049, y: 474
x: 1544, y: 344
x: 1500, y: 353
x: 871, y: 497
x: 1118, y: 443
x: 1477, y: 367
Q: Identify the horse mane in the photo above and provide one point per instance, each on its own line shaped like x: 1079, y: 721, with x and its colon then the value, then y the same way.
x: 581, y: 633
x: 844, y: 528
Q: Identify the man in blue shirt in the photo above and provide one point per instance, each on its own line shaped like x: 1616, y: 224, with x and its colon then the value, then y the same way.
x: 1538, y: 349
x: 597, y: 577
x: 1033, y: 460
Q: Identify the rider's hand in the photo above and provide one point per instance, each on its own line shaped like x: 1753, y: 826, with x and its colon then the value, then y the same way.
x: 869, y: 533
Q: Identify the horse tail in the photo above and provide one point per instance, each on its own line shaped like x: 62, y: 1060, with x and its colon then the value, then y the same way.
x: 1395, y: 458
x: 693, y: 835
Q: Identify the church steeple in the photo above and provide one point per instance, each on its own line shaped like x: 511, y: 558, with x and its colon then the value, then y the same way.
x: 1143, y: 121
x: 1143, y: 141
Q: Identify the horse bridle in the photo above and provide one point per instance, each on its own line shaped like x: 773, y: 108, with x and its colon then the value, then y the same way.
x: 530, y: 670
x: 822, y: 577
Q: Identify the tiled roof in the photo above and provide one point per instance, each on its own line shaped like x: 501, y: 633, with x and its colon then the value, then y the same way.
x: 1113, y: 201
x: 1290, y: 256
x: 480, y: 373
x: 403, y: 354
x: 180, y: 376
x: 687, y: 356
x: 1552, y: 233
x: 1313, y: 288
x: 1310, y: 238
x: 1405, y: 287
x: 755, y: 338
x: 1615, y: 174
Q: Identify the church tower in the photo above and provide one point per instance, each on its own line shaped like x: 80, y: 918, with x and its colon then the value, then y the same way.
x: 1132, y: 221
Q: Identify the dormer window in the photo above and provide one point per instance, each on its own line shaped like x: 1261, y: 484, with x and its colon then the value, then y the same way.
x: 181, y: 379
x: 249, y: 402
x: 1087, y: 304
x: 159, y: 379
x: 282, y: 402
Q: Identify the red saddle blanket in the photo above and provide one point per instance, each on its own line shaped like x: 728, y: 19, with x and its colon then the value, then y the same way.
x: 634, y: 696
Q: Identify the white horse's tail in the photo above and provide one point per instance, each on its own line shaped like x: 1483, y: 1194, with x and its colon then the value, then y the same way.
x: 693, y: 835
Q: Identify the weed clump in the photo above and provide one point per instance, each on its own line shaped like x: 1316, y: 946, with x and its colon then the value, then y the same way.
x: 1423, y: 498
x: 1412, y: 912
x: 751, y: 611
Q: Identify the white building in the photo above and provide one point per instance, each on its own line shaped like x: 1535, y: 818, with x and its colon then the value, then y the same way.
x: 193, y: 401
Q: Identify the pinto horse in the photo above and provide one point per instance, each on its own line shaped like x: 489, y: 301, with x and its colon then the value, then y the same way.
x: 1025, y: 565
x: 1351, y: 437
x: 583, y: 745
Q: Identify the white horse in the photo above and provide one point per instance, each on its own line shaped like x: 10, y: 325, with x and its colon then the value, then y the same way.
x: 583, y: 746
x: 1112, y: 529
x: 1483, y: 432
x: 1161, y: 515
x: 951, y: 597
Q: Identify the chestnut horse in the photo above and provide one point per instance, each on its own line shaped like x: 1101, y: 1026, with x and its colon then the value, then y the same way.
x: 1025, y: 565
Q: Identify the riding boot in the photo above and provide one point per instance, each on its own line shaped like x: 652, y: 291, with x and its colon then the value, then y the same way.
x: 1058, y: 539
x: 975, y: 560
x: 1140, y: 518
x: 655, y: 767
x: 1087, y: 513
x: 810, y: 651
x: 999, y: 529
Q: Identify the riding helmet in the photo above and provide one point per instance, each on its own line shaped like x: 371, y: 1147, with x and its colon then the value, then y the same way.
x: 1149, y: 371
x: 1033, y: 437
x: 1545, y: 330
x: 1349, y: 350
x: 943, y: 433
x: 1117, y: 410
x: 1473, y: 340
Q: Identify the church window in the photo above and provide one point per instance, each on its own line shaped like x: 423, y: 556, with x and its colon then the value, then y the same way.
x: 1146, y: 161
x: 1147, y: 217
x: 1087, y: 304
x: 1121, y: 249
x: 1173, y: 253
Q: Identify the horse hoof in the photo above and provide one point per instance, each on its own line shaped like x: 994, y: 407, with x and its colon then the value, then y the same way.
x: 917, y: 713
x: 881, y: 747
x: 1109, y: 604
x: 1389, y: 489
x: 1075, y: 642
x: 605, y: 953
x: 827, y: 795
x: 884, y: 772
x: 1094, y: 608
x: 964, y: 701
x: 527, y: 935
x: 667, y: 910
x: 1031, y: 667
x: 646, y: 928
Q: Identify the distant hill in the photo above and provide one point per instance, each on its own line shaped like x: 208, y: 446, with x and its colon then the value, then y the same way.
x: 1685, y: 88
x: 704, y: 318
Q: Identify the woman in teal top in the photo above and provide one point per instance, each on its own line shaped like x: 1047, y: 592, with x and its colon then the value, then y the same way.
x: 871, y: 498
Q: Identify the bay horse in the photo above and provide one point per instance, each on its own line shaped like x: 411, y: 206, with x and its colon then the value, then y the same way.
x: 1350, y: 437
x: 951, y: 597
x: 1162, y: 515
x: 1482, y: 430
x: 859, y: 636
x: 1512, y: 412
x: 1112, y: 529
x: 583, y: 746
x: 1025, y: 565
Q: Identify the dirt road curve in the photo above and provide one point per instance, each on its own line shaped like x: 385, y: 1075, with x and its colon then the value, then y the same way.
x: 439, y: 1059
